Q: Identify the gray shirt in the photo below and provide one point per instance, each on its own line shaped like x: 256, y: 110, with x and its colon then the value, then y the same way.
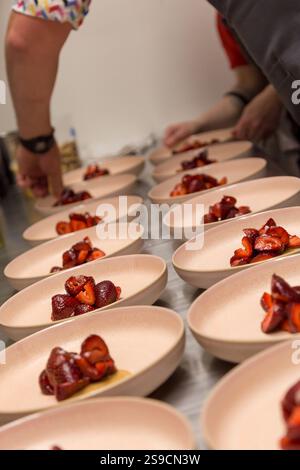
x: 270, y: 31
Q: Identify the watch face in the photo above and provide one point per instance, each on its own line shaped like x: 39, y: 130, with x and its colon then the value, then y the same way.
x: 41, y: 146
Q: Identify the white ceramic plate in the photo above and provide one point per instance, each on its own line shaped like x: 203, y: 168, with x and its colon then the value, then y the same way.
x: 208, y: 265
x: 243, y: 412
x: 147, y: 344
x: 220, y: 153
x: 226, y: 319
x: 142, y: 278
x: 99, y: 188
x: 36, y: 264
x: 234, y: 171
x: 162, y: 153
x: 259, y: 195
x: 117, y: 166
x: 117, y: 423
x: 122, y: 209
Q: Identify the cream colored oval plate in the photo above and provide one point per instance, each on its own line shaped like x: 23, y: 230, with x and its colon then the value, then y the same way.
x: 226, y: 319
x: 110, y: 210
x: 98, y: 189
x: 259, y: 195
x: 116, y: 166
x: 234, y: 171
x: 147, y: 344
x: 116, y: 423
x: 142, y: 278
x: 243, y: 412
x: 203, y: 267
x: 219, y: 153
x: 36, y: 264
x: 163, y: 153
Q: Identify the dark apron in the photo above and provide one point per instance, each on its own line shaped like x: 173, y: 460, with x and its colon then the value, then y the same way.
x: 270, y: 31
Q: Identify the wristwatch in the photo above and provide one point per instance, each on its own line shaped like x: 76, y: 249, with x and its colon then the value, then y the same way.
x: 39, y: 145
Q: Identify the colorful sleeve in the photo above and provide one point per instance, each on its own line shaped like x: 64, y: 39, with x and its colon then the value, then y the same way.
x: 63, y: 11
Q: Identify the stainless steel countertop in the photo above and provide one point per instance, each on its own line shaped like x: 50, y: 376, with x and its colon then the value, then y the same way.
x: 191, y: 384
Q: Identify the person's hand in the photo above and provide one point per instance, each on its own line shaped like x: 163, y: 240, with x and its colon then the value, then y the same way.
x: 260, y: 117
x: 40, y: 172
x: 177, y: 132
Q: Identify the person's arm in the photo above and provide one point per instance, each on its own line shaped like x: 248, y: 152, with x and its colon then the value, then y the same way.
x: 32, y: 54
x: 226, y: 112
x: 260, y: 117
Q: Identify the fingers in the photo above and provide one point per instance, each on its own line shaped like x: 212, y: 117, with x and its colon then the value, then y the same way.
x: 170, y: 136
x: 175, y: 135
x: 56, y: 183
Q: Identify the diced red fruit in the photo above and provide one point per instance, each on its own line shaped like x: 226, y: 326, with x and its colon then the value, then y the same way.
x: 262, y: 257
x: 194, y: 183
x: 268, y: 243
x: 96, y: 254
x: 105, y: 294
x: 279, y: 232
x: 69, y: 259
x: 270, y: 223
x: 84, y: 245
x: 119, y: 291
x: 224, y: 210
x: 77, y: 216
x: 281, y: 290
x: 94, y: 171
x: 293, y: 425
x: 210, y: 218
x: 294, y: 317
x: 282, y: 307
x: 251, y: 233
x: 234, y: 262
x: 294, y: 242
x: 243, y: 210
x: 291, y: 400
x: 75, y: 284
x: 245, y: 252
x: 87, y: 294
x: 63, y: 228
x: 94, y: 342
x: 271, y: 321
x: 82, y: 309
x: 68, y: 373
x: 45, y: 385
x: 266, y: 302
x: 287, y: 444
x: 56, y: 269
x: 77, y: 225
x: 67, y: 390
x: 82, y: 257
x: 63, y: 306
x: 68, y: 196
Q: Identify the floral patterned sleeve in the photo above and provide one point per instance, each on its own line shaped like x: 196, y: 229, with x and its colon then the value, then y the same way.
x: 71, y: 11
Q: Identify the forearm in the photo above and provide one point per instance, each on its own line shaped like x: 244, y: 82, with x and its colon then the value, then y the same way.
x: 225, y: 113
x: 32, y: 54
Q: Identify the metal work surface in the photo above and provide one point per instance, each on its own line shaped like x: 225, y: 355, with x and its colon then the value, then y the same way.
x: 190, y: 385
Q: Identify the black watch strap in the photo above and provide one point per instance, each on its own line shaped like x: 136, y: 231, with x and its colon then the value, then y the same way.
x: 242, y: 98
x: 39, y: 145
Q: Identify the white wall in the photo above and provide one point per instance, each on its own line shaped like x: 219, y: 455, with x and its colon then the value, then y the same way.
x: 135, y: 66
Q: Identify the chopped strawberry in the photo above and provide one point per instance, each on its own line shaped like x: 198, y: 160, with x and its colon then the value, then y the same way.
x: 294, y: 242
x: 266, y: 302
x: 268, y: 243
x: 62, y: 228
x: 87, y: 294
x: 75, y: 284
x: 247, y: 251
x: 294, y: 317
x: 262, y: 257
